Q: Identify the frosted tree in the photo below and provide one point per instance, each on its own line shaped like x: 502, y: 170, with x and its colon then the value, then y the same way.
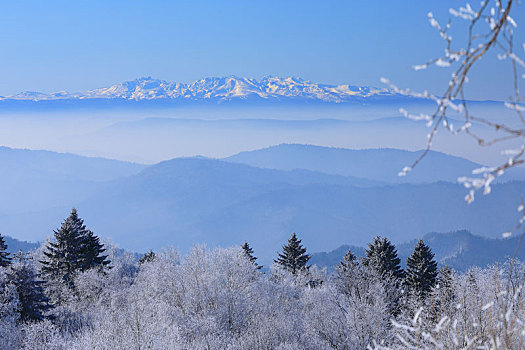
x: 421, y: 271
x: 10, y: 335
x: 32, y: 302
x: 5, y: 260
x: 442, y: 296
x: 293, y: 257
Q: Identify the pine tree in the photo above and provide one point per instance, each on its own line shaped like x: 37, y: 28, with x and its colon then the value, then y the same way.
x: 381, y: 255
x: 63, y: 258
x: 294, y: 257
x: 421, y: 270
x: 5, y: 260
x: 91, y: 252
x: 248, y: 251
x: 147, y: 257
x: 75, y: 249
x: 349, y: 261
x: 32, y: 301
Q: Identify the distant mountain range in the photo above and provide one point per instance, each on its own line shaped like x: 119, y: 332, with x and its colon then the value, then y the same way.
x: 218, y: 90
x: 373, y: 164
x: 458, y: 250
x: 185, y: 201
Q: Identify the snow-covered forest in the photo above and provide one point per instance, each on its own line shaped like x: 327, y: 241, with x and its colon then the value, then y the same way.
x: 76, y: 293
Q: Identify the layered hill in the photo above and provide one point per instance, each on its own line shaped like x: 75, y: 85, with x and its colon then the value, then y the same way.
x: 374, y: 164
x: 185, y: 201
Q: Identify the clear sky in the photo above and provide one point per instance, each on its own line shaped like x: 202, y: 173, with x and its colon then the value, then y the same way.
x: 82, y: 44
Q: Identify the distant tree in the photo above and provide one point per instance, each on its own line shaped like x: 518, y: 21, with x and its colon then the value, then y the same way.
x: 347, y: 272
x: 147, y: 257
x: 5, y: 260
x: 421, y: 272
x: 91, y: 252
x: 381, y: 255
x: 293, y: 257
x: 248, y: 252
x: 349, y: 261
x: 32, y: 301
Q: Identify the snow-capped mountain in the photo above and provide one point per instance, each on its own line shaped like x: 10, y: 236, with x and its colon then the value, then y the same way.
x: 217, y: 89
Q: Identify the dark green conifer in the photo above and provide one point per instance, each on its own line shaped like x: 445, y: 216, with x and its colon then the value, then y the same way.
x: 5, y: 260
x: 294, y: 257
x: 147, y: 257
x: 248, y: 252
x: 91, y: 252
x: 32, y: 301
x: 75, y: 249
x: 421, y: 270
x: 381, y: 255
x: 63, y: 258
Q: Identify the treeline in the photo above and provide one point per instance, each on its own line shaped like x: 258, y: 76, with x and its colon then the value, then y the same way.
x: 75, y: 293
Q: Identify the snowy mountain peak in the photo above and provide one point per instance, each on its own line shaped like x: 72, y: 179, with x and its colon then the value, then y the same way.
x: 218, y: 89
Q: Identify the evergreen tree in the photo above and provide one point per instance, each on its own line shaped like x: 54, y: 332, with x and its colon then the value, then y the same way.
x: 248, y: 251
x: 91, y: 252
x: 294, y: 257
x: 32, y: 301
x: 5, y: 260
x: 349, y: 261
x: 421, y: 270
x: 381, y: 255
x: 147, y: 257
x: 346, y: 273
x: 63, y: 258
x: 75, y: 249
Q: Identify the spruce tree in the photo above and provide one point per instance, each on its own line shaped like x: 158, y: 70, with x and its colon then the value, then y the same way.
x: 32, y: 301
x: 91, y: 252
x: 248, y: 252
x: 75, y: 249
x: 147, y: 257
x: 294, y: 257
x: 63, y: 258
x: 381, y: 255
x: 349, y: 261
x: 5, y: 260
x: 421, y: 270
x: 346, y: 273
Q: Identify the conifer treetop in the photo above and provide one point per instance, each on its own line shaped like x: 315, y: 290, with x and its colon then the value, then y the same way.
x: 5, y: 260
x: 421, y: 270
x: 293, y: 257
x: 382, y: 256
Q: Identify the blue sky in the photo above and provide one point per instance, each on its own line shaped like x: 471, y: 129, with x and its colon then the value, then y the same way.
x: 82, y: 44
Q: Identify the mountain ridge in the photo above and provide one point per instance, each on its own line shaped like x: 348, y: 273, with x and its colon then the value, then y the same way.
x: 219, y: 89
